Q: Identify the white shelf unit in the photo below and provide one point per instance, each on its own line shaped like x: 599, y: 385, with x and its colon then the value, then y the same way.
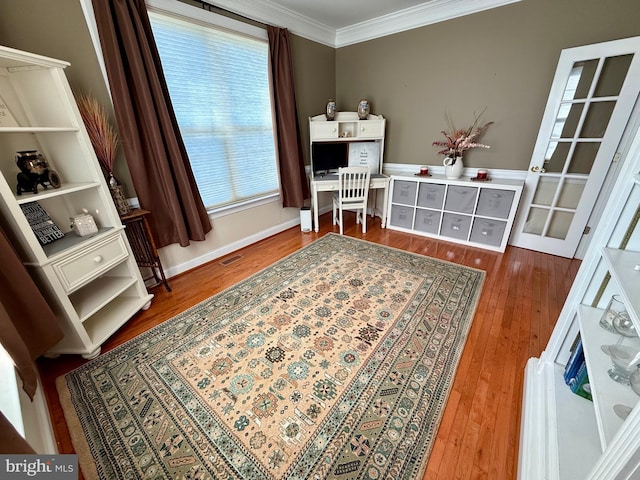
x: 91, y: 282
x: 564, y: 436
x: 347, y: 128
x: 474, y: 213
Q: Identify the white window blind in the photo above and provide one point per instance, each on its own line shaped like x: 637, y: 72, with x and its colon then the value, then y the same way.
x: 218, y: 81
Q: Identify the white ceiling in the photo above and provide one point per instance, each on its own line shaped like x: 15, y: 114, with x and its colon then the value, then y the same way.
x: 338, y: 23
x: 344, y: 13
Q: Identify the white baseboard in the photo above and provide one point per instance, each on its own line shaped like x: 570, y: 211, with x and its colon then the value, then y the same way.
x: 229, y: 248
x: 37, y: 422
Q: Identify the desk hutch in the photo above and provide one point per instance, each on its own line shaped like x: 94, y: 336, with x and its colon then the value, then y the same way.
x: 364, y: 141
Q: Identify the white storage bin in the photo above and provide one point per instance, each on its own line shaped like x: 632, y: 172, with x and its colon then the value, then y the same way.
x: 401, y: 216
x: 455, y: 226
x: 460, y: 199
x: 431, y: 195
x: 495, y: 203
x: 488, y: 232
x: 427, y: 221
x: 404, y: 192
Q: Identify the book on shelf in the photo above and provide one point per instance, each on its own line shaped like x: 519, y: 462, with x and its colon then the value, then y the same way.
x: 580, y: 383
x: 575, y: 360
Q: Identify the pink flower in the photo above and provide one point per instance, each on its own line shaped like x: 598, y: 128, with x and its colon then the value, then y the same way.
x: 457, y: 141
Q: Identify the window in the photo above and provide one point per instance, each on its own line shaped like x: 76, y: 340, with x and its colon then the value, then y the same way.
x: 218, y: 80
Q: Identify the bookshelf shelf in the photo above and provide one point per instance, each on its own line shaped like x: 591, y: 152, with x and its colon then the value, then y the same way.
x: 565, y: 429
x: 621, y: 265
x: 606, y: 391
x: 577, y: 430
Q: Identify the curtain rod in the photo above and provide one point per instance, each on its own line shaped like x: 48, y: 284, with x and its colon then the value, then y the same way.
x: 212, y: 8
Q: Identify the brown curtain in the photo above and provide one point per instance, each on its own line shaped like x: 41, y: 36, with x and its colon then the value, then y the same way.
x: 293, y: 179
x: 11, y: 442
x: 28, y: 328
x: 147, y: 126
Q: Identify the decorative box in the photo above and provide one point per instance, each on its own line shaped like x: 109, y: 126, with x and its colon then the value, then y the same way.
x: 83, y: 224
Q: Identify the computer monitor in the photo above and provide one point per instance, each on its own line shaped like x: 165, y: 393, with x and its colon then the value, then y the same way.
x: 327, y: 157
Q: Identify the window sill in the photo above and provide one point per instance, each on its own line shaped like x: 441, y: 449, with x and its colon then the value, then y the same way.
x: 239, y: 207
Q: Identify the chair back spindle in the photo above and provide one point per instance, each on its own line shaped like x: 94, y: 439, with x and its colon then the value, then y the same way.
x: 352, y: 194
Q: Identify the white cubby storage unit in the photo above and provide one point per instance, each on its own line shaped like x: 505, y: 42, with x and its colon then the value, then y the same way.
x: 91, y: 282
x: 564, y: 436
x: 474, y: 213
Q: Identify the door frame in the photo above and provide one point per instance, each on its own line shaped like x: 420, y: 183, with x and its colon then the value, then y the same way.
x: 593, y: 195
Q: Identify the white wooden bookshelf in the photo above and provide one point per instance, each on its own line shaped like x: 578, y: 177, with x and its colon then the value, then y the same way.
x: 92, y: 283
x: 564, y: 436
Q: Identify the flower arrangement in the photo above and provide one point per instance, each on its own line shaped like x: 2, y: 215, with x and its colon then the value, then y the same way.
x: 101, y: 133
x: 457, y: 141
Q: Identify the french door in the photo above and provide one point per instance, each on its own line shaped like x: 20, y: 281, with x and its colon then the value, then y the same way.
x: 592, y: 96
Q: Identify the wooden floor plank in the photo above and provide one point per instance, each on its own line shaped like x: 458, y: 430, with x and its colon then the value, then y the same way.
x: 521, y: 299
x: 490, y: 413
x: 489, y: 363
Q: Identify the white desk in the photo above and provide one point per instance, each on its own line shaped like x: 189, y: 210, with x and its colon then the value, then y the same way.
x: 329, y: 182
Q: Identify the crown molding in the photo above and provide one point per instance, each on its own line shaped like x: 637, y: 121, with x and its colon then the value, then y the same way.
x: 434, y: 11
x: 267, y: 12
x: 413, y: 17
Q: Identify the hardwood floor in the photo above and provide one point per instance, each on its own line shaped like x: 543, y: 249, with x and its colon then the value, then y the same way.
x: 478, y: 437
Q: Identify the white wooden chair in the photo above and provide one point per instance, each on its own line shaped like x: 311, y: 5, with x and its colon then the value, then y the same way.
x: 352, y: 194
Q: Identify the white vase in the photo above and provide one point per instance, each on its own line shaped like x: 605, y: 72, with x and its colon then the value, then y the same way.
x: 453, y: 167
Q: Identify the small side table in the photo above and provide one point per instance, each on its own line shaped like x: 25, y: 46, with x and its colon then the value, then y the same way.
x: 143, y: 246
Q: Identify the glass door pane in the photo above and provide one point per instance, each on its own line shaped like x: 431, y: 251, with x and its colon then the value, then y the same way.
x: 583, y: 157
x: 613, y: 74
x: 597, y: 119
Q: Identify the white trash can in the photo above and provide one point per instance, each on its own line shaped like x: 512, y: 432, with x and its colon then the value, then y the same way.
x: 305, y: 219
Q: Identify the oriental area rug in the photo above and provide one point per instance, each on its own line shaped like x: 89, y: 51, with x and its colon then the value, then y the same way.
x: 334, y: 363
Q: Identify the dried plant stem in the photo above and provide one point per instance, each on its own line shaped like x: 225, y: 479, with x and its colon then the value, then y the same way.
x: 101, y: 133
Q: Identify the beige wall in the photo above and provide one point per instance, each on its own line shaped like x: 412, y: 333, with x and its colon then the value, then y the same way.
x: 315, y: 82
x: 503, y: 59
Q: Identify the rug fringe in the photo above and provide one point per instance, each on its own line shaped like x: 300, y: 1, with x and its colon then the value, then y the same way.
x: 80, y: 444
